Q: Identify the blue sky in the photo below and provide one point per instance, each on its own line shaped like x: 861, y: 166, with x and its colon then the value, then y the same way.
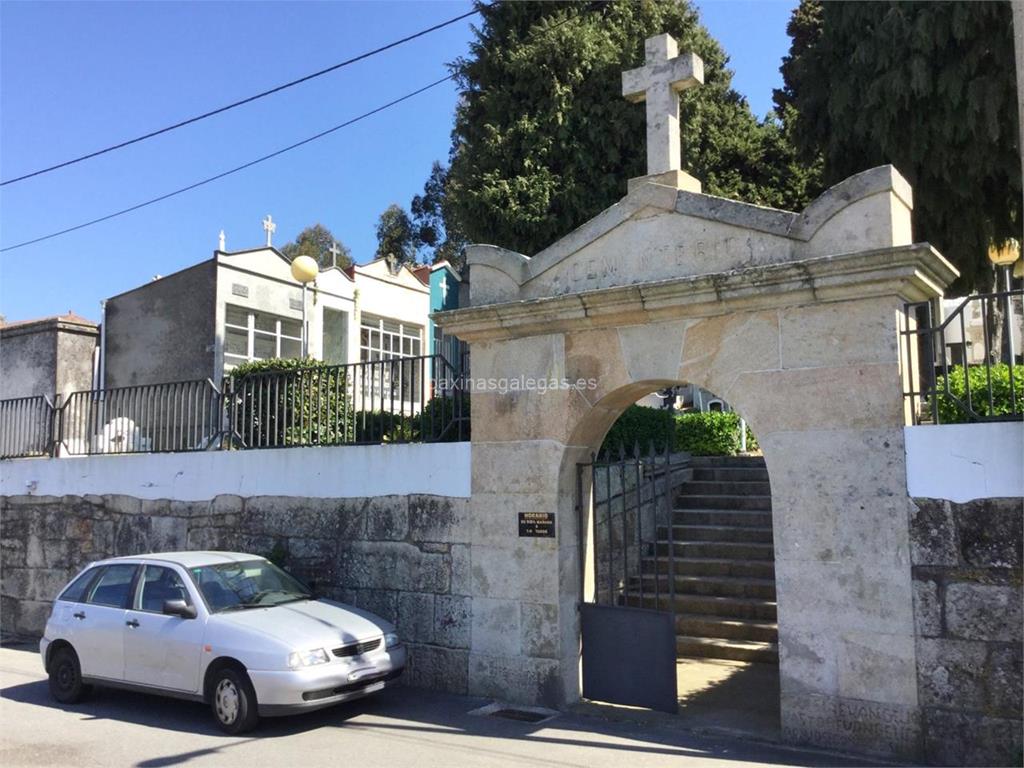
x: 75, y: 77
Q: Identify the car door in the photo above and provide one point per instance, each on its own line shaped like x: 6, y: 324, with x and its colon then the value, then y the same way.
x: 161, y: 650
x: 98, y: 622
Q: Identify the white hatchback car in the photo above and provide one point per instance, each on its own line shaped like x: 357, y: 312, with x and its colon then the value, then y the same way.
x: 226, y: 628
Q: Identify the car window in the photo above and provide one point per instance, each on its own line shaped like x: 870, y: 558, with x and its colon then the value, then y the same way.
x: 249, y: 584
x: 75, y: 591
x: 159, y: 583
x: 112, y: 586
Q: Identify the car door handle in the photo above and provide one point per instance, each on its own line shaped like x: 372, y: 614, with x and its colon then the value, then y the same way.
x: 79, y: 615
x: 133, y: 623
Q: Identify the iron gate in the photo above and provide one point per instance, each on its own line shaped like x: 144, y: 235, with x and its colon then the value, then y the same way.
x: 627, y: 577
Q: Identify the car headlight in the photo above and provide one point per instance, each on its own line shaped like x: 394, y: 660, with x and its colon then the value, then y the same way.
x: 391, y: 639
x: 298, y: 659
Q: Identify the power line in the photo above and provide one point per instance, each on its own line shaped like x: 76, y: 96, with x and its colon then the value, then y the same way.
x: 240, y: 102
x: 269, y: 156
x: 233, y: 170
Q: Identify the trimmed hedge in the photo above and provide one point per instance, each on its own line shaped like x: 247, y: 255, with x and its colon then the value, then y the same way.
x: 714, y: 433
x: 950, y: 412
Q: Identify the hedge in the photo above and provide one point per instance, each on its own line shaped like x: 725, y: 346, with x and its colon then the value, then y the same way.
x: 950, y: 411
x: 715, y: 433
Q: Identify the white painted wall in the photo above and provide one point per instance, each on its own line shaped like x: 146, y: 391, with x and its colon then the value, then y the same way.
x: 441, y: 469
x: 961, y: 462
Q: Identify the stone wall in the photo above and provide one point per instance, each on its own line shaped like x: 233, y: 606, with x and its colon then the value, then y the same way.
x: 405, y: 557
x: 967, y: 614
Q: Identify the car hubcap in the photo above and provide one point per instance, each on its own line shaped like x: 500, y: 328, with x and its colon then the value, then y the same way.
x: 65, y: 675
x: 226, y: 701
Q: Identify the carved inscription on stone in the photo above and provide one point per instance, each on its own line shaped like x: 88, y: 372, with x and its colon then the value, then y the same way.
x: 840, y: 723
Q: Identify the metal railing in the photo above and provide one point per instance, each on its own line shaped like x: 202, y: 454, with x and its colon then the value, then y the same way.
x: 26, y: 427
x: 398, y: 400
x: 963, y: 368
x: 409, y: 399
x: 148, y: 418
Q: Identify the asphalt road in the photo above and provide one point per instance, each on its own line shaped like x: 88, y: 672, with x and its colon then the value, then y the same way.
x: 399, y: 727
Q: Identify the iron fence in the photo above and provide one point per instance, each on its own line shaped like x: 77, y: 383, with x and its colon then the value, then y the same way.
x: 409, y: 399
x: 964, y: 367
x: 148, y: 418
x: 26, y: 427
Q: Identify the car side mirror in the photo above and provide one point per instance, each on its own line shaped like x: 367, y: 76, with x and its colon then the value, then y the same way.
x: 179, y: 608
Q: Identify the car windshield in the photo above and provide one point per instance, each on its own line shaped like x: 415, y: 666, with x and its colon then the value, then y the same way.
x: 249, y: 584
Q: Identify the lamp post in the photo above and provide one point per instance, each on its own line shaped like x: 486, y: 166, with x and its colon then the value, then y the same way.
x: 1003, y: 257
x: 304, y: 270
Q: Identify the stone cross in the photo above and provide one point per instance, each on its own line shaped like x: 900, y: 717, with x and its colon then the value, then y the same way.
x: 444, y: 287
x: 270, y: 228
x: 335, y: 252
x: 659, y: 82
x: 390, y: 259
x: 221, y: 241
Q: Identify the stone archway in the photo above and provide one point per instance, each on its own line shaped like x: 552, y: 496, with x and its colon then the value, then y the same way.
x: 804, y: 345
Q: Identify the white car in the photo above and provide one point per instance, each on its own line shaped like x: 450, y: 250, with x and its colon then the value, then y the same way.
x: 226, y: 628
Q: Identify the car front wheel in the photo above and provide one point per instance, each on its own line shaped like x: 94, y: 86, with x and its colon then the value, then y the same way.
x: 66, y: 684
x: 233, y: 701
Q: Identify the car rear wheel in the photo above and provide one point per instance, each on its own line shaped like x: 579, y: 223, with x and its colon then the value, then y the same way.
x: 233, y: 701
x: 66, y: 684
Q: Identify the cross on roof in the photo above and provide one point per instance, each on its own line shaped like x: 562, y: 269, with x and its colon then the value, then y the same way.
x: 391, y: 260
x: 444, y: 287
x: 335, y: 252
x: 270, y: 227
x: 659, y: 81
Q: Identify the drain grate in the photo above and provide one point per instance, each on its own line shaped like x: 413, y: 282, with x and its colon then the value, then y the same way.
x: 522, y: 715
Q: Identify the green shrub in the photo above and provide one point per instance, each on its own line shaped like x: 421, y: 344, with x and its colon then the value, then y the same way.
x: 951, y: 412
x: 309, y: 406
x: 383, y: 427
x: 439, y: 420
x: 716, y: 433
x: 639, y: 426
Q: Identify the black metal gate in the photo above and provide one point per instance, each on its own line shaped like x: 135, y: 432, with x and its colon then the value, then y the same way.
x: 627, y: 577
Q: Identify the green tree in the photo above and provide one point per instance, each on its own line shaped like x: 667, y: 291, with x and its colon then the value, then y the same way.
x: 437, y: 234
x: 316, y: 241
x: 928, y: 87
x: 543, y: 139
x: 396, y: 235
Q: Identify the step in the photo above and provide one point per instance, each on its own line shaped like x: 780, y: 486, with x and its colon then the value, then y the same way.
x: 723, y: 517
x: 722, y: 501
x: 708, y: 566
x: 727, y: 629
x: 704, y: 605
x: 718, y: 533
x: 729, y: 474
x: 728, y: 550
x: 726, y: 488
x: 737, y: 650
x: 715, y: 586
x: 727, y: 461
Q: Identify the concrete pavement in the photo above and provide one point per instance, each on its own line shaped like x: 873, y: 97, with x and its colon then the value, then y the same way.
x: 399, y: 727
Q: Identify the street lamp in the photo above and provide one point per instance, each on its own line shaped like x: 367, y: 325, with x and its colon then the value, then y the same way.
x: 1003, y: 257
x: 304, y: 270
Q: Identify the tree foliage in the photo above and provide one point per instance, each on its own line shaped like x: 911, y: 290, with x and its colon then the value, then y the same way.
x: 437, y: 234
x: 928, y: 87
x: 396, y: 235
x: 543, y: 139
x: 316, y: 241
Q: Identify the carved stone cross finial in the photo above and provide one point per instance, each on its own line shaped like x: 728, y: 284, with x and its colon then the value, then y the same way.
x: 270, y: 227
x: 392, y: 263
x: 335, y: 252
x: 221, y: 241
x: 658, y: 82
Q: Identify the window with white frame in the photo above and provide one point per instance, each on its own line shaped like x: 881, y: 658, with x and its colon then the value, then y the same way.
x: 380, y: 339
x: 251, y: 335
x: 383, y: 339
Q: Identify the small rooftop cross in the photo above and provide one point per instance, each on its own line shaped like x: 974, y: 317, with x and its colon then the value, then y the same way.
x: 335, y: 252
x: 221, y: 241
x: 444, y: 287
x: 270, y: 227
x: 392, y: 261
x: 659, y: 81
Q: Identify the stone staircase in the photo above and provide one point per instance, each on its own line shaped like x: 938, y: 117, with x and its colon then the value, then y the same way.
x: 723, y: 563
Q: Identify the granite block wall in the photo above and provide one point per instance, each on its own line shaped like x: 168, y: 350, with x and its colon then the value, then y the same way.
x: 968, y: 621
x: 404, y: 557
